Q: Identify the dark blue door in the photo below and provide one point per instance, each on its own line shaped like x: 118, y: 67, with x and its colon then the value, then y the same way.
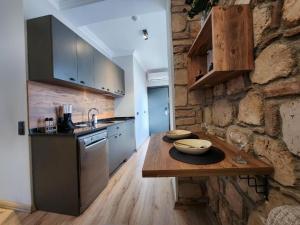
x: 159, y: 116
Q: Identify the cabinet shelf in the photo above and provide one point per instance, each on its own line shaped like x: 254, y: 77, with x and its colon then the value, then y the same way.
x: 228, y: 32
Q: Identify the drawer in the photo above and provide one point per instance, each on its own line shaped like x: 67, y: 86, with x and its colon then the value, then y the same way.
x: 114, y: 129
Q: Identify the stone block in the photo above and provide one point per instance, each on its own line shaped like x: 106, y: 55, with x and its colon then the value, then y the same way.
x: 286, y: 167
x: 282, y: 88
x: 222, y: 113
x: 290, y: 116
x: 219, y: 90
x: 180, y: 60
x: 180, y: 95
x: 256, y: 218
x: 181, y: 77
x: 235, y: 85
x: 181, y: 49
x: 185, y: 113
x: 177, y: 2
x: 234, y: 199
x: 292, y: 32
x: 261, y: 21
x: 181, y: 35
x: 291, y: 15
x: 207, y: 115
x: 179, y: 22
x: 185, y: 121
x: 208, y: 93
x: 251, y: 109
x: 195, y: 97
x: 194, y: 28
x: 275, y: 61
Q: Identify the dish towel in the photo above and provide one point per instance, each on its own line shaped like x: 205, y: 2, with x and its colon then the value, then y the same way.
x: 284, y: 215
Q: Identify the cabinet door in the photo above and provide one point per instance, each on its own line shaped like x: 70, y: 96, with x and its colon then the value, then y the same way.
x: 85, y: 63
x: 115, y: 152
x: 101, y: 68
x: 64, y: 52
x: 117, y: 75
x: 128, y: 138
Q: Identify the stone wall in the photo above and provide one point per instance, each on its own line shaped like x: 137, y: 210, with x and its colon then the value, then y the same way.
x: 261, y: 108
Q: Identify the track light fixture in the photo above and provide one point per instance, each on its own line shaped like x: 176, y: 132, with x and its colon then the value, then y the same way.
x: 145, y: 34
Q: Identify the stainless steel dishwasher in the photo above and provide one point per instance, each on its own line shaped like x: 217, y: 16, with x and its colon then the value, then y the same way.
x: 94, y: 166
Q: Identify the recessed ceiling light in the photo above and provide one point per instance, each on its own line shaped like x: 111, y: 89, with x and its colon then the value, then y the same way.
x: 145, y: 34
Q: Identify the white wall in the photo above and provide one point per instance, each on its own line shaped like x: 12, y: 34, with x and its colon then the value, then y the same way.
x: 14, y: 149
x: 141, y: 104
x: 124, y: 106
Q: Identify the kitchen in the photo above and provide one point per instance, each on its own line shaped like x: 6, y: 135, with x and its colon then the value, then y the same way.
x: 75, y: 145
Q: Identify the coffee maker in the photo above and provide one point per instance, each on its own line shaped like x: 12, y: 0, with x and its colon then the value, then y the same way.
x: 65, y: 123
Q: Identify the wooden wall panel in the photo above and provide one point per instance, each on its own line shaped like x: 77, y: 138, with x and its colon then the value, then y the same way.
x: 44, y: 98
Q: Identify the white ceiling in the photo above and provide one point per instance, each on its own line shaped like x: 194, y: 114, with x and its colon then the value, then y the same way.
x: 124, y: 36
x: 108, y: 23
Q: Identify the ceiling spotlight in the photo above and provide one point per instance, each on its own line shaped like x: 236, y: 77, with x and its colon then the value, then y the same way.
x: 145, y: 34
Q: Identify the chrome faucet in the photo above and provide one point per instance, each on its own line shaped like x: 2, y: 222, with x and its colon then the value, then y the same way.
x: 91, y: 121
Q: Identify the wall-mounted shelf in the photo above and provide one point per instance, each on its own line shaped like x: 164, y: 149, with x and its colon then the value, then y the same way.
x: 228, y: 32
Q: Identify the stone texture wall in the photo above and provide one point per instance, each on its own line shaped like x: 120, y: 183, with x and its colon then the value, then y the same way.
x: 261, y: 108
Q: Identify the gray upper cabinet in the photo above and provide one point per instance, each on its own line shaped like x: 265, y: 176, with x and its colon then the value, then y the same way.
x: 85, y: 63
x: 100, y: 71
x: 108, y: 76
x: 64, y: 43
x: 57, y: 55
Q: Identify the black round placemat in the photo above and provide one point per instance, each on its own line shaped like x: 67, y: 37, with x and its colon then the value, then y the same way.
x: 213, y: 155
x: 170, y: 140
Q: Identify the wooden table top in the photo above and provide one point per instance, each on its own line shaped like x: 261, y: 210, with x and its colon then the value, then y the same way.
x: 158, y: 162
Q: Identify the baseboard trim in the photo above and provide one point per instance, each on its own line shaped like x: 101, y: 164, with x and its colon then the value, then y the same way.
x: 15, y: 206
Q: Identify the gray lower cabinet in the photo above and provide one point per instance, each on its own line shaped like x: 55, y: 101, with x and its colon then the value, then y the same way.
x: 121, y: 143
x: 58, y: 55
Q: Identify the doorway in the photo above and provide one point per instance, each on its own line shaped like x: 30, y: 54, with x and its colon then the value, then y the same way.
x: 159, y: 110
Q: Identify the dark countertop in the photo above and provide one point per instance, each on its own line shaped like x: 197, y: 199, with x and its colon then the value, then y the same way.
x: 101, y: 125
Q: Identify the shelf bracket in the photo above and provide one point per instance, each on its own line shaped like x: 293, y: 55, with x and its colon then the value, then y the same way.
x: 262, y: 188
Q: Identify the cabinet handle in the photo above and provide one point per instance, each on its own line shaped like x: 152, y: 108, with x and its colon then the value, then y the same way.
x: 116, y: 136
x: 82, y: 82
x: 72, y: 79
x: 107, y: 89
x: 120, y: 134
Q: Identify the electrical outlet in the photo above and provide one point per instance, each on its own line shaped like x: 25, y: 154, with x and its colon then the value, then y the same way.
x: 21, y: 127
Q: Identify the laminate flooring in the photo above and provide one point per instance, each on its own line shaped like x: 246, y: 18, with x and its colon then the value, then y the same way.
x: 128, y: 199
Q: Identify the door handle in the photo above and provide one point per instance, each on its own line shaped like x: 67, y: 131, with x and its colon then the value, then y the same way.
x: 82, y: 82
x: 166, y: 111
x: 72, y: 79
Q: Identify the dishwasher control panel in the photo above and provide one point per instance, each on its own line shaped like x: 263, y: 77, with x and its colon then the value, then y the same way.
x: 94, y: 137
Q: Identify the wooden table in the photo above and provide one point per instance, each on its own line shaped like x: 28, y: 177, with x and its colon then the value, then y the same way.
x: 158, y: 162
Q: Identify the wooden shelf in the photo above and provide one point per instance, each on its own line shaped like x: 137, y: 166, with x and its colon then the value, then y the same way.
x: 158, y: 162
x: 214, y: 77
x: 228, y: 32
x: 203, y: 41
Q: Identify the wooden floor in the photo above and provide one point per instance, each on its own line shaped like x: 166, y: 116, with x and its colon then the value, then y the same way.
x: 128, y: 199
